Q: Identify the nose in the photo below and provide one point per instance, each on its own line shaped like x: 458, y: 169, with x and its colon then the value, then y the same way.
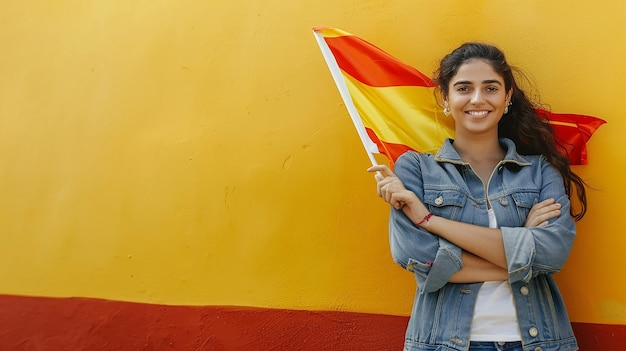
x: 477, y: 97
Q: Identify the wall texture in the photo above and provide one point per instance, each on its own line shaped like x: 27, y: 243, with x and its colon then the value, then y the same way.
x: 170, y: 170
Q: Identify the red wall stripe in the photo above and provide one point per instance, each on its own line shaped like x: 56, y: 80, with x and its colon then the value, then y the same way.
x: 76, y: 324
x: 600, y: 337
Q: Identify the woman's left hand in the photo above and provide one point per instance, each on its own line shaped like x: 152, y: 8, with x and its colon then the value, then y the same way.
x: 541, y: 212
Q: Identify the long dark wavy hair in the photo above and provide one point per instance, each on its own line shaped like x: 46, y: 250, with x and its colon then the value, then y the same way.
x: 531, y: 133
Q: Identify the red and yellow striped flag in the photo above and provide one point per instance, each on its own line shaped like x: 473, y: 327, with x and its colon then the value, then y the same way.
x: 393, y: 105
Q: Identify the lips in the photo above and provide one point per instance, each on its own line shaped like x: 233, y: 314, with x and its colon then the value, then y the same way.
x: 481, y: 113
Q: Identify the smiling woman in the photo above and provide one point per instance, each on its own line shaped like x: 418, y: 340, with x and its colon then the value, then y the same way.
x: 484, y: 223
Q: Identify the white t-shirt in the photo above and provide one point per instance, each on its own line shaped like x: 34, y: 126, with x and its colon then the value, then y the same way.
x: 495, y: 318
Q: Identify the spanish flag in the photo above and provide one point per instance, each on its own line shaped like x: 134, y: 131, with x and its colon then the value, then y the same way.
x: 394, y: 106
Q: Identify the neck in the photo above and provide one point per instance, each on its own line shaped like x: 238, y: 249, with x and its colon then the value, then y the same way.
x: 478, y: 149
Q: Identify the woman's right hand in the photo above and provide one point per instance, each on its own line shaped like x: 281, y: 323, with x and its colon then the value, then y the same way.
x: 541, y: 212
x: 391, y: 189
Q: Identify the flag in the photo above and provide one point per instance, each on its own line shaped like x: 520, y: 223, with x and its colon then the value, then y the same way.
x: 572, y: 131
x: 394, y: 106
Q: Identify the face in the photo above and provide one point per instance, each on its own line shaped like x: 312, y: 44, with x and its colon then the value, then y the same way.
x: 477, y: 98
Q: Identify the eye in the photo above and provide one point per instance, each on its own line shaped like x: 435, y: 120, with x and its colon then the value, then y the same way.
x: 492, y: 89
x: 463, y: 89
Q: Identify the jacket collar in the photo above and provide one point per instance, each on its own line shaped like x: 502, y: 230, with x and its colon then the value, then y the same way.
x: 447, y: 153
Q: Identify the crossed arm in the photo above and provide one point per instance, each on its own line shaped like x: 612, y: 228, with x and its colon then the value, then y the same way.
x: 483, y: 252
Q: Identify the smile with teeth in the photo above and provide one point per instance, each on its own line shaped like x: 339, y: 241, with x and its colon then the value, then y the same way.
x: 477, y: 113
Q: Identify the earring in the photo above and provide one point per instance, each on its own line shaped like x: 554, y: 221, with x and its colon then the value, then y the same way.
x: 446, y: 110
x: 506, y: 109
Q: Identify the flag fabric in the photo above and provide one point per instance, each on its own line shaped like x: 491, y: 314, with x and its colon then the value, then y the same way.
x: 394, y: 106
x: 572, y: 131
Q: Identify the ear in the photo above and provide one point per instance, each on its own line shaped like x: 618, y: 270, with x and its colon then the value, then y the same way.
x: 509, y: 95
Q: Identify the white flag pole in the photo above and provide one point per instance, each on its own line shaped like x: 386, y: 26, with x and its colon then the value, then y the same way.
x: 335, y: 71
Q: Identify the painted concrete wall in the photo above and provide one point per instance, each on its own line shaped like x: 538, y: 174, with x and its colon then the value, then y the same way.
x: 197, y: 153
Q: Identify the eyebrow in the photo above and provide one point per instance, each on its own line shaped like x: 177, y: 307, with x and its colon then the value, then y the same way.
x: 488, y: 81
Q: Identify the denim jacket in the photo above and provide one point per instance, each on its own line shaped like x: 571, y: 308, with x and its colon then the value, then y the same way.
x: 442, y: 311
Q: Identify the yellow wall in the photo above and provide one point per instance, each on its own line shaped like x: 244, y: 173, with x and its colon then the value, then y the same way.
x: 187, y: 152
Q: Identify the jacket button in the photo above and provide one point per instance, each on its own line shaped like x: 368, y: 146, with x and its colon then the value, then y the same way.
x: 524, y: 290
x: 456, y: 340
x: 533, y: 332
x: 439, y: 200
x: 538, y: 349
x: 410, y: 267
x: 504, y: 201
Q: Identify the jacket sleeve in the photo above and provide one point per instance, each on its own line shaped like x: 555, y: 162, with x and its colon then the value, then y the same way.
x: 432, y: 259
x: 541, y: 250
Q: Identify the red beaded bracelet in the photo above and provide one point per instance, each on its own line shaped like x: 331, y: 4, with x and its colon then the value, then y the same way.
x: 425, y: 219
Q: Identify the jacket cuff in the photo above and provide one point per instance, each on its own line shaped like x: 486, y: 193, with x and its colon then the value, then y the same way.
x: 447, y: 262
x: 519, y: 247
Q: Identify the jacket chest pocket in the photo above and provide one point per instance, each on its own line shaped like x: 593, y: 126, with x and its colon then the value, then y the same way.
x: 445, y: 203
x: 524, y: 201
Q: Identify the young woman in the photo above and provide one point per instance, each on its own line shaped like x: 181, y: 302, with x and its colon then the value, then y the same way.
x: 485, y: 223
